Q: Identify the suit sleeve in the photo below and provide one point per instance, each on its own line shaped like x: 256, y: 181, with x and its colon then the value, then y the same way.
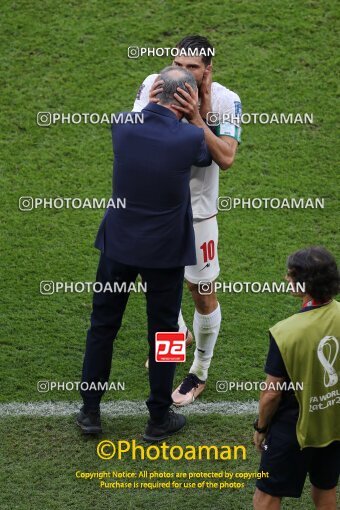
x: 274, y: 364
x: 203, y: 157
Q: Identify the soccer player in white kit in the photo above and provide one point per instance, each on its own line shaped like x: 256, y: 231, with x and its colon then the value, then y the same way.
x: 222, y: 140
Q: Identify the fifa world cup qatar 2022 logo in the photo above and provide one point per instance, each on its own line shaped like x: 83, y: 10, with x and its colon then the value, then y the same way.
x: 328, y: 350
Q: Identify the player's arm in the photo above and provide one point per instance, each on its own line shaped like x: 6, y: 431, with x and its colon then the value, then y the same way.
x: 222, y: 148
x: 271, y: 396
x: 268, y: 405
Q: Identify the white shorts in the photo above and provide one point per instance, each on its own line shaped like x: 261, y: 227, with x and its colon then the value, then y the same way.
x: 207, y: 268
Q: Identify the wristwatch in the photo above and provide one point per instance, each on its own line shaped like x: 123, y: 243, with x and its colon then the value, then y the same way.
x: 261, y: 430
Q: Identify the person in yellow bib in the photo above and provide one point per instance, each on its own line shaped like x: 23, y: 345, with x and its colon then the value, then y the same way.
x: 298, y: 427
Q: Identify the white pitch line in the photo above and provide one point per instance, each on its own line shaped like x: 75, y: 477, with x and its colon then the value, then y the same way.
x: 123, y: 408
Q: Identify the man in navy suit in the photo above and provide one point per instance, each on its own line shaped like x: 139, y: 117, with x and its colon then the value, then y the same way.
x: 152, y: 236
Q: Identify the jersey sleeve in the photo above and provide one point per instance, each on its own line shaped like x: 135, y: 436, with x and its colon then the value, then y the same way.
x: 274, y: 364
x: 230, y: 114
x: 142, y: 97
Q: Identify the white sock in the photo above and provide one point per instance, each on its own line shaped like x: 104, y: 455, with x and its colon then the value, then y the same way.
x: 206, y: 329
x: 181, y: 323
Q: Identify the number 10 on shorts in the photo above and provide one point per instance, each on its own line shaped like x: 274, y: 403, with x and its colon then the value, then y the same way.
x: 208, y: 251
x: 170, y: 347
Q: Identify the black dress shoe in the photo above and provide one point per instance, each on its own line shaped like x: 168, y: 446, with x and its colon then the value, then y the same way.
x: 89, y: 421
x: 159, y: 432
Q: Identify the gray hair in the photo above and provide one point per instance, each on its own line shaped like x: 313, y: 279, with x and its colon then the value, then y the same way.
x: 173, y: 77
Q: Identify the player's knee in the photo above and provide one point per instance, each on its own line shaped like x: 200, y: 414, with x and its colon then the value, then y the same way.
x: 193, y: 287
x: 205, y: 304
x: 264, y: 501
x: 257, y: 499
x: 324, y: 499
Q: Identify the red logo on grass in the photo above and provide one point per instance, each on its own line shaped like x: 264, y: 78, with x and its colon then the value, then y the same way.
x: 170, y: 347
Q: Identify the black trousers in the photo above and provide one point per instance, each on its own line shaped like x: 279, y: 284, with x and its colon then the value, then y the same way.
x: 163, y: 300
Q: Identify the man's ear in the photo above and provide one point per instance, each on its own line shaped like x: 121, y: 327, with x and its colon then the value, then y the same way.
x: 209, y: 67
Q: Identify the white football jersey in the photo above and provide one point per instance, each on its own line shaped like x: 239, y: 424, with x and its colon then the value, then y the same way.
x: 204, y: 181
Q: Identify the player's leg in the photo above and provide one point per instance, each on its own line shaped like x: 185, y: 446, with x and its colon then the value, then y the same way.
x: 206, y: 325
x: 106, y: 319
x: 207, y: 317
x: 163, y: 295
x: 283, y: 466
x: 182, y: 327
x: 324, y: 475
x: 324, y: 500
x: 263, y: 501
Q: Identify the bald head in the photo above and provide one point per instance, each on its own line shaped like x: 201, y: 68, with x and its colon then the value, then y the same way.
x: 174, y: 77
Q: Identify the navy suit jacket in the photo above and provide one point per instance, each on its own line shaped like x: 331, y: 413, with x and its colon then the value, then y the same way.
x: 152, y: 162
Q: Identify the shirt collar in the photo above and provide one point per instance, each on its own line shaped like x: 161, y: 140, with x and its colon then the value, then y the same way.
x: 161, y: 110
x: 311, y: 305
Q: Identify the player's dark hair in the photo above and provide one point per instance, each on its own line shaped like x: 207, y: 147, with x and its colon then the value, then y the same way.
x: 197, y: 42
x: 317, y: 269
x: 174, y: 77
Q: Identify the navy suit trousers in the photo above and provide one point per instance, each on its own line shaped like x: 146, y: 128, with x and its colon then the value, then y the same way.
x: 163, y: 302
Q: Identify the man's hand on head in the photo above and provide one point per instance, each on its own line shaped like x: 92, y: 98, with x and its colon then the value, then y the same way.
x: 205, y: 92
x: 156, y: 88
x: 189, y: 104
